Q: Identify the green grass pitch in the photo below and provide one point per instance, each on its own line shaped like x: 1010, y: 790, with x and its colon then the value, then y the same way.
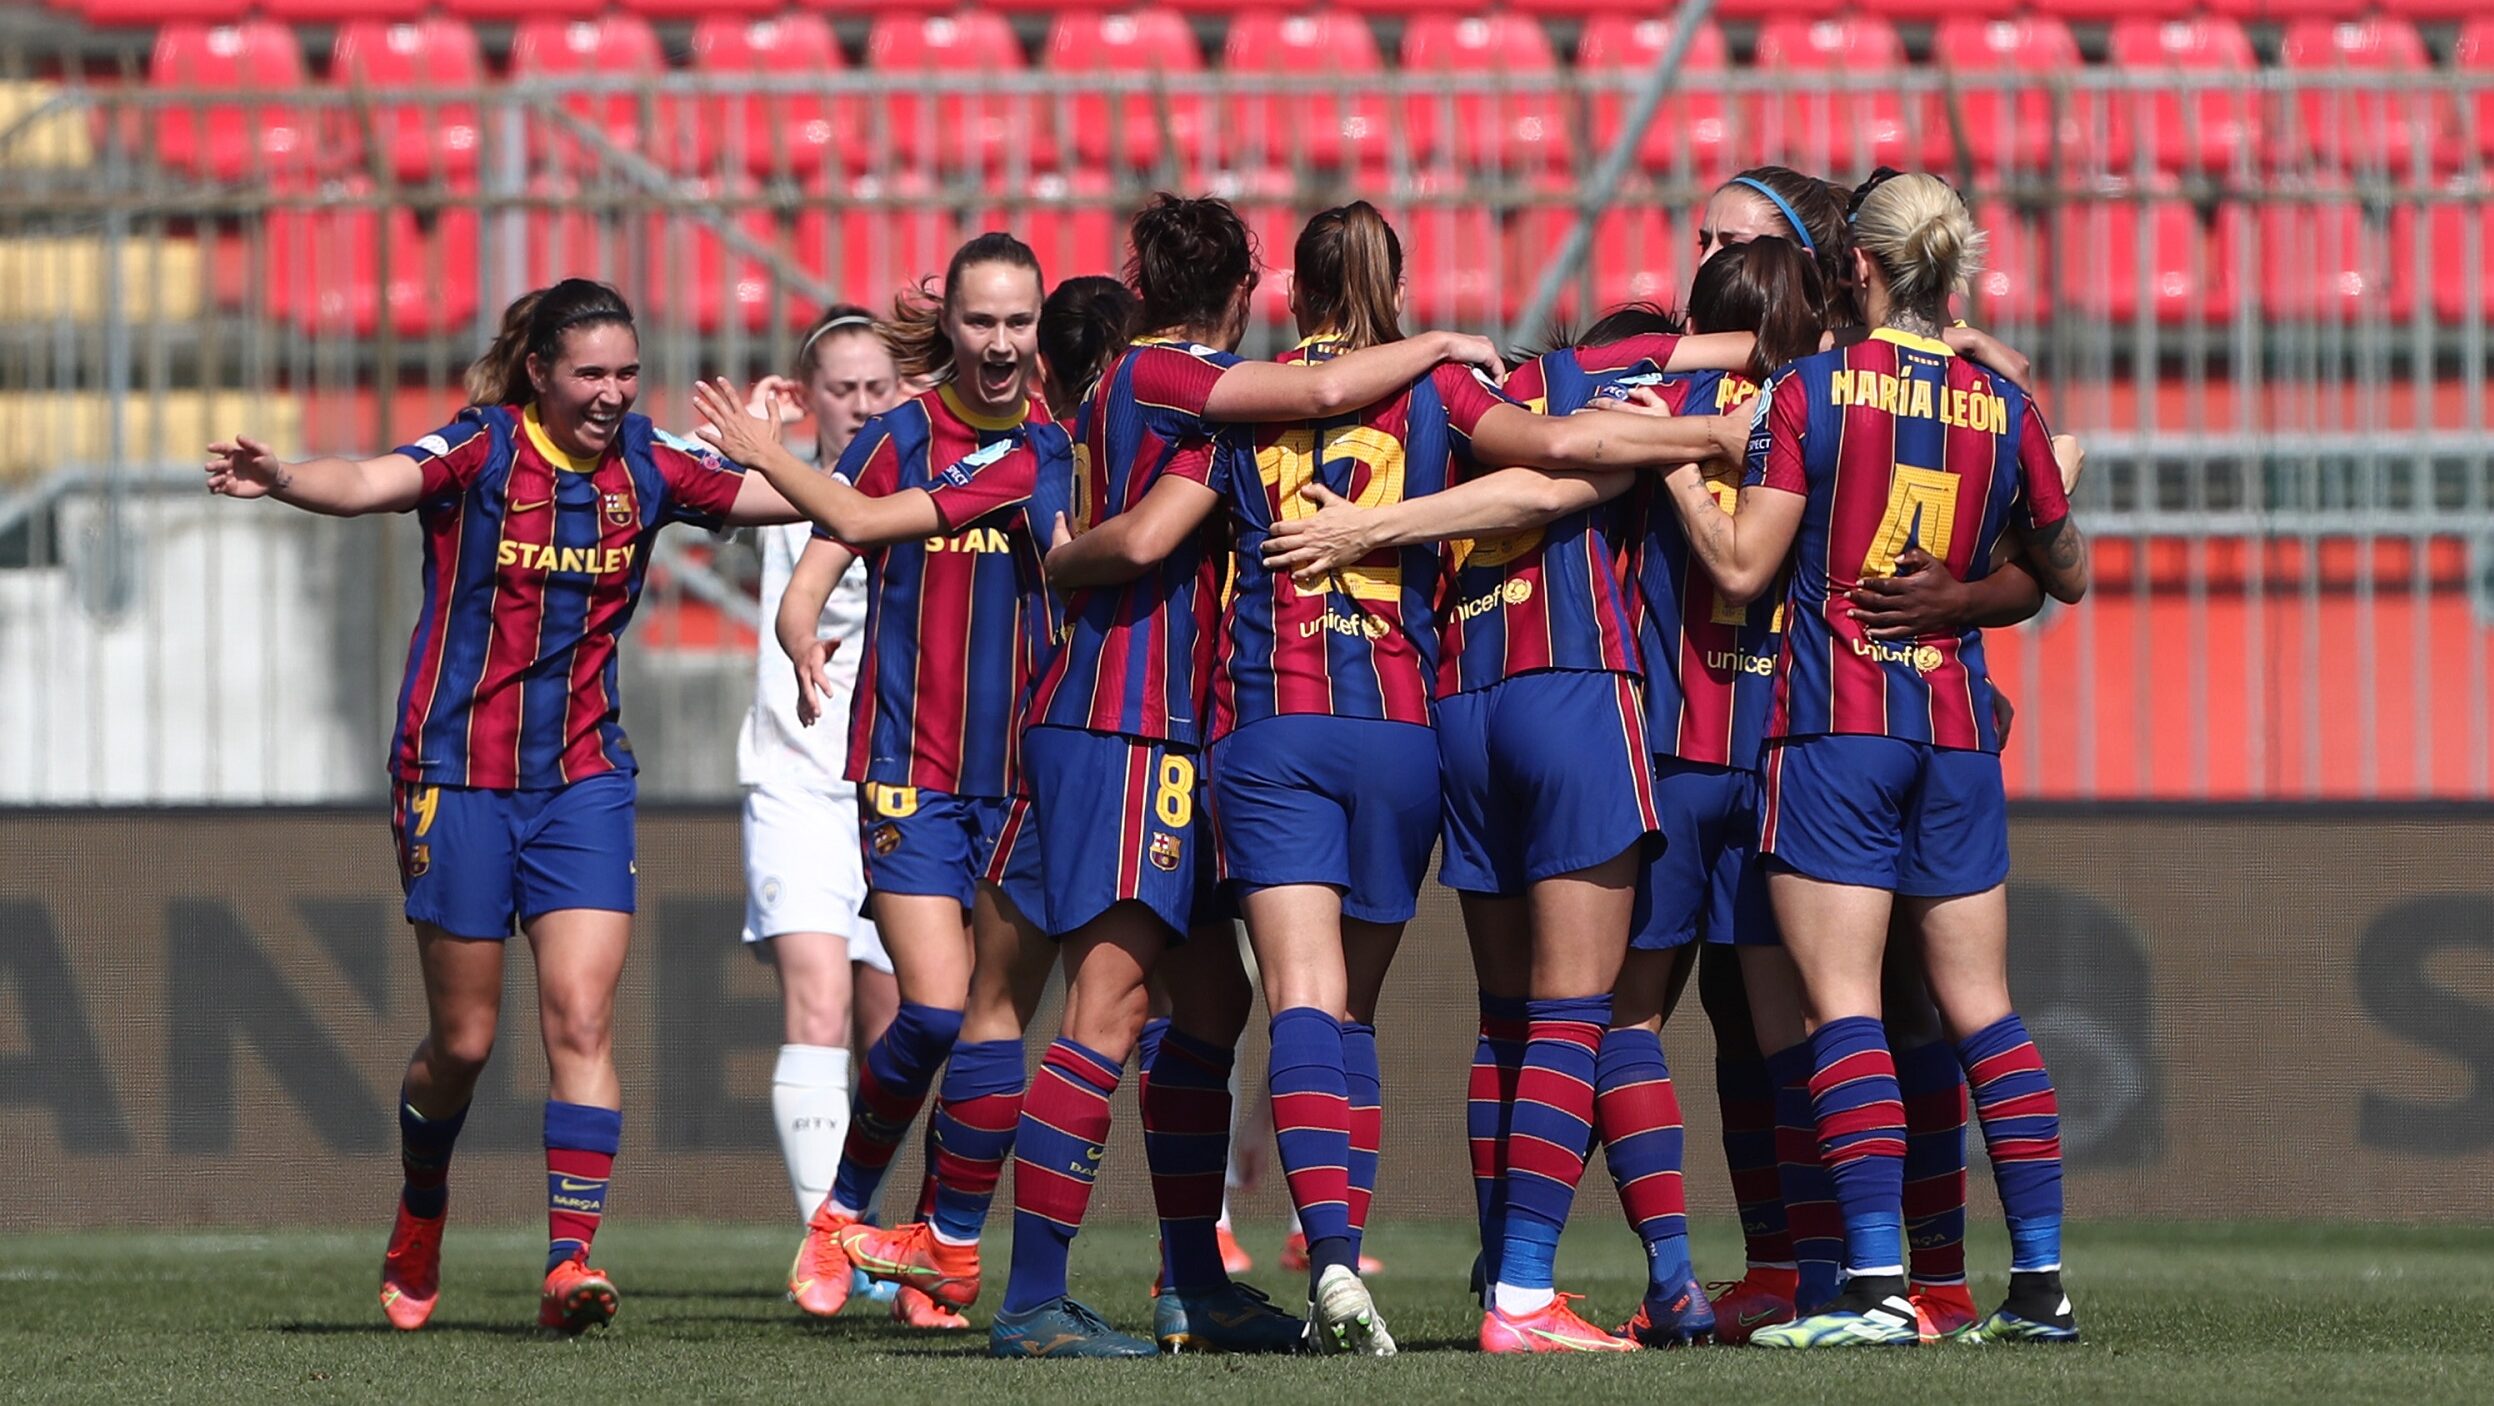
x: 2179, y: 1313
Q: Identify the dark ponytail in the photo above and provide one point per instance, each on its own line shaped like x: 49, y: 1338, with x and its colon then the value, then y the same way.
x: 1348, y: 276
x: 915, y: 332
x: 1819, y: 208
x: 534, y: 325
x: 1767, y: 286
x: 1085, y: 322
x: 1190, y: 257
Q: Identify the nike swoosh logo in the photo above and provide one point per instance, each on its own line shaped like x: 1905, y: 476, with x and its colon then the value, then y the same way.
x: 529, y: 507
x: 1761, y: 1316
x: 567, y: 1184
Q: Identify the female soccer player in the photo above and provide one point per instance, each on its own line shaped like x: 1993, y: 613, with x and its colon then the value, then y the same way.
x: 1081, y: 324
x: 1883, y: 778
x: 512, y: 783
x: 805, y: 889
x: 931, y: 744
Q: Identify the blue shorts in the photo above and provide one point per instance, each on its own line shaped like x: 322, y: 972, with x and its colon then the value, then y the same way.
x: 1350, y: 803
x: 1707, y: 881
x: 475, y: 863
x: 921, y: 841
x: 1929, y: 822
x: 1544, y: 774
x: 1116, y: 821
x: 1013, y: 866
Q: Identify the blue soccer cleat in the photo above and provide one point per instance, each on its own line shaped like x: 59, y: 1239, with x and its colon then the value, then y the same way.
x: 1061, y: 1328
x: 1676, y: 1319
x: 1869, y: 1313
x: 1231, y: 1318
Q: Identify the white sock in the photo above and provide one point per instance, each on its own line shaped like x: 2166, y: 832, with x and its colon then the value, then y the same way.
x: 810, y: 1105
x: 1295, y: 1227
x: 1512, y: 1300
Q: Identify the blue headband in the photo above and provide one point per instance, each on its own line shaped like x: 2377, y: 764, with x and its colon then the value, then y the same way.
x: 1785, y: 207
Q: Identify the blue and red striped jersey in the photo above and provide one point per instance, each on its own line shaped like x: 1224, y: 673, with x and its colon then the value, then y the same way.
x: 533, y: 564
x: 1550, y: 597
x: 947, y: 658
x: 1894, y: 442
x: 1709, y: 666
x: 1364, y: 645
x: 1137, y: 657
x: 1035, y: 478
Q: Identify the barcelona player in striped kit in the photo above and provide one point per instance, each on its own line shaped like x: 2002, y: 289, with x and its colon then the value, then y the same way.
x: 513, y: 787
x: 1080, y: 324
x: 1883, y: 776
x: 949, y: 644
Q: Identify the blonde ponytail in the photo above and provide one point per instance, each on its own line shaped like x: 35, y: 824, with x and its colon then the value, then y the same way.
x: 1919, y: 233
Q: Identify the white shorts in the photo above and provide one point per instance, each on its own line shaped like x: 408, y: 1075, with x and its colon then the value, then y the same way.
x: 803, y: 872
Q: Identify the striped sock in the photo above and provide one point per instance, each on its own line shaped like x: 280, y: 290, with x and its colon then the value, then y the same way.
x: 1934, y: 1089
x: 1552, y: 1132
x: 1146, y: 1050
x: 1861, y: 1123
x: 1186, y: 1142
x: 1489, y: 1112
x: 899, y: 1069
x: 1364, y: 1082
x: 580, y: 1160
x: 1745, y: 1093
x: 1818, y: 1228
x: 976, y: 1112
x: 1639, y: 1117
x: 2022, y: 1129
x: 424, y: 1146
x: 1056, y: 1158
x: 1312, y: 1125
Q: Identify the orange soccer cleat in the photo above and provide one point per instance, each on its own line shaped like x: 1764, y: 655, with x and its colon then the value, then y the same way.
x: 1761, y: 1298
x: 1554, y: 1327
x: 1943, y: 1311
x: 818, y: 1280
x: 576, y: 1298
x: 411, y: 1270
x: 1235, y: 1260
x: 912, y: 1309
x: 913, y: 1258
x: 1295, y: 1256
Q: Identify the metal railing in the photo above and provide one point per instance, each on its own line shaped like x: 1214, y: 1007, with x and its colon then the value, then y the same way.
x: 2287, y: 417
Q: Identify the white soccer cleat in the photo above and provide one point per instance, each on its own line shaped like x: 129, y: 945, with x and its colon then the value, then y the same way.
x: 1342, y: 1318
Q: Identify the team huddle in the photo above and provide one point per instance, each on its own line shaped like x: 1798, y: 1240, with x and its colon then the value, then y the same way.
x: 1667, y: 640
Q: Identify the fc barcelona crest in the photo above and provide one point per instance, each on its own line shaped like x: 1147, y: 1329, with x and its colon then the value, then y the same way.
x: 619, y: 509
x: 1166, y: 851
x: 885, y: 838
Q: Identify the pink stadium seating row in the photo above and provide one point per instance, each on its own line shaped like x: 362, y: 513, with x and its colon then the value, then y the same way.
x: 2327, y: 262
x: 130, y: 12
x: 1471, y: 128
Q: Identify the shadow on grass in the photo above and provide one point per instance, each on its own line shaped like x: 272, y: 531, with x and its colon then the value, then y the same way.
x: 498, y: 1328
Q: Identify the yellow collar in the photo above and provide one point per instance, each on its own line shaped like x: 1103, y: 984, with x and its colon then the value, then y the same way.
x: 962, y: 411
x: 1913, y: 341
x: 556, y: 455
x: 1318, y: 339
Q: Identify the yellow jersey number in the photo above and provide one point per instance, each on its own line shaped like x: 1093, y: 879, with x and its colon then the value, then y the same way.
x: 894, y: 802
x: 1922, y: 507
x: 1289, y: 464
x: 1173, y: 802
x: 422, y: 806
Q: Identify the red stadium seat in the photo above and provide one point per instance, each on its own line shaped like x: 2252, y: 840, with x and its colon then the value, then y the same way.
x: 1067, y: 222
x: 1847, y: 130
x: 435, y: 54
x: 1637, y: 257
x: 2452, y: 278
x: 2002, y: 131
x: 2321, y: 263
x: 2181, y: 280
x: 872, y: 238
x: 339, y: 11
x: 325, y: 269
x: 1692, y: 130
x: 567, y: 238
x: 955, y: 130
x: 2014, y: 289
x: 690, y: 276
x: 2474, y: 55
x: 769, y: 134
x: 2377, y: 128
x: 612, y: 46
x: 704, y: 10
x: 1507, y: 110
x: 2206, y: 129
x: 228, y: 140
x: 1343, y: 126
x: 1274, y: 224
x: 1137, y: 132
x: 1454, y: 266
x: 522, y: 11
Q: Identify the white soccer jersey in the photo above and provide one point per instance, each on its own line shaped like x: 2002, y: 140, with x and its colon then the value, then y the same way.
x: 771, y: 748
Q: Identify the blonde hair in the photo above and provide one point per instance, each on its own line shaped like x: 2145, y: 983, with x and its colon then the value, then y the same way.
x: 1919, y: 233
